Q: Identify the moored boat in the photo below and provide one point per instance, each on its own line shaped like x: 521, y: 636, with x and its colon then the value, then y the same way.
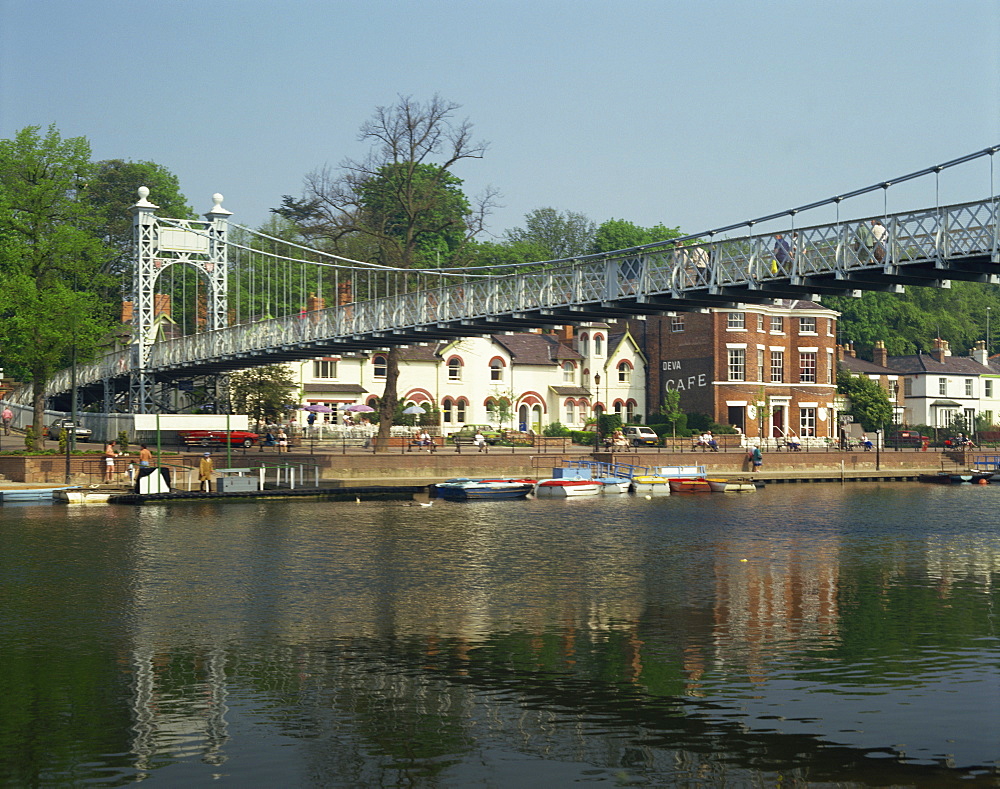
x: 735, y: 485
x: 563, y: 487
x: 652, y: 484
x: 689, y: 485
x: 32, y: 494
x: 464, y: 490
x: 614, y: 484
x: 82, y: 496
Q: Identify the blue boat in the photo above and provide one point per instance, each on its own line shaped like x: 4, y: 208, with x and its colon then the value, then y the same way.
x: 466, y: 489
x: 32, y: 494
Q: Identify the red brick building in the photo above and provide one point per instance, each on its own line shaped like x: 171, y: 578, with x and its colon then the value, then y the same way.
x: 770, y: 370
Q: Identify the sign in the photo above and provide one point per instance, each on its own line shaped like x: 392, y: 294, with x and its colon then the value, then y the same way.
x: 846, y: 419
x: 686, y: 374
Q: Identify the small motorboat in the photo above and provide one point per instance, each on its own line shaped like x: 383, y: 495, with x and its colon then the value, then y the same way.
x: 467, y: 489
x: 689, y: 485
x: 735, y: 485
x: 652, y: 484
x: 614, y: 484
x: 82, y: 496
x: 564, y: 487
x: 947, y: 477
x: 39, y: 493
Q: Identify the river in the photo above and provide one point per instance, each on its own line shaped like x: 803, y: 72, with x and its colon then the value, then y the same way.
x: 801, y: 635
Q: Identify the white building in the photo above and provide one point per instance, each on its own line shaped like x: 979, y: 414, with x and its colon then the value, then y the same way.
x: 523, y: 380
x: 939, y: 387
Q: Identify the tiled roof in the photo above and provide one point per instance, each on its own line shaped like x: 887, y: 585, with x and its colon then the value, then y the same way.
x: 530, y: 348
x: 855, y: 365
x: 923, y: 363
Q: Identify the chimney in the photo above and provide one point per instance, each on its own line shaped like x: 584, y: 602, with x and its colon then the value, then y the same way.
x: 161, y: 304
x: 344, y: 294
x: 566, y: 334
x: 980, y: 354
x: 940, y: 350
x: 879, y: 355
x: 314, y: 303
x: 850, y: 349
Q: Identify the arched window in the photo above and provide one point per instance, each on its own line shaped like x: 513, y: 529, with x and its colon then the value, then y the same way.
x: 569, y: 372
x: 460, y: 406
x: 618, y: 407
x: 624, y: 373
x: 598, y: 345
x: 446, y: 406
x: 491, y: 411
x: 496, y: 369
x: 584, y: 344
x: 570, y: 408
x: 381, y: 366
x: 454, y: 369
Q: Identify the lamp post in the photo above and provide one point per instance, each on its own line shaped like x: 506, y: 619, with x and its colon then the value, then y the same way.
x: 988, y: 332
x: 597, y: 412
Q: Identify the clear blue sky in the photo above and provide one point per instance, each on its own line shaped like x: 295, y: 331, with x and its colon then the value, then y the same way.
x: 696, y: 114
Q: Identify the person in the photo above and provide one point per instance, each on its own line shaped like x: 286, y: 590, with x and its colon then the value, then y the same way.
x: 879, y: 235
x: 282, y: 440
x: 311, y: 419
x: 426, y: 441
x: 8, y: 419
x: 755, y: 457
x: 205, y: 470
x: 109, y: 461
x: 793, y: 442
x: 480, y: 441
x: 145, y: 456
x: 782, y: 252
x: 863, y: 243
x: 710, y: 441
x: 866, y: 442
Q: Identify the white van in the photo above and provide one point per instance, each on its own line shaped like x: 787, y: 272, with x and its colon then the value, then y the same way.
x: 641, y: 436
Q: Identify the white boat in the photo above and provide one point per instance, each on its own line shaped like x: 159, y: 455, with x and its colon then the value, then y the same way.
x: 563, y: 487
x: 614, y: 484
x: 735, y: 485
x: 82, y: 496
x: 652, y: 484
x: 39, y: 493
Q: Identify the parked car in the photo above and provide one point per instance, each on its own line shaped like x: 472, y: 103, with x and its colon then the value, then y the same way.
x: 207, y: 438
x: 54, y: 431
x: 903, y: 439
x: 641, y: 436
x: 468, y: 433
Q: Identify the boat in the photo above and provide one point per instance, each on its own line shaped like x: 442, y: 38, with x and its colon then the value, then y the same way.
x: 689, y: 485
x: 466, y: 489
x: 947, y: 477
x: 564, y: 487
x: 32, y: 494
x: 651, y: 484
x: 735, y: 485
x: 614, y: 484
x: 82, y: 496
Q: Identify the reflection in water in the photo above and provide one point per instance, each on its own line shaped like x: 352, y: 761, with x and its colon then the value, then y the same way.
x: 811, y: 633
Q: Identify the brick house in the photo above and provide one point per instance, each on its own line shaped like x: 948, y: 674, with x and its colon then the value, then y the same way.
x: 769, y: 370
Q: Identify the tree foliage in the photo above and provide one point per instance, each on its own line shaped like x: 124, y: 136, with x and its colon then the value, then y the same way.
x: 557, y: 234
x: 622, y: 234
x: 51, y: 256
x: 869, y: 402
x: 262, y: 392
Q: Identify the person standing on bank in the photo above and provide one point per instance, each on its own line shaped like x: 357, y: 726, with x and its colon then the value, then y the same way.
x: 8, y: 418
x: 145, y: 456
x: 109, y: 461
x: 755, y: 457
x: 205, y: 470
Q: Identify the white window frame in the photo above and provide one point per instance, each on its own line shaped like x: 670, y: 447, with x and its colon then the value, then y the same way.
x: 736, y: 364
x: 736, y: 321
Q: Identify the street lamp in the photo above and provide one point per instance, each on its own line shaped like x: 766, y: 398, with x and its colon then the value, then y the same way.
x: 988, y: 332
x: 597, y: 412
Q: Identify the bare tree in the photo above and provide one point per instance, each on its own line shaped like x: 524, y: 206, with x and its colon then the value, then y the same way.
x: 403, y: 197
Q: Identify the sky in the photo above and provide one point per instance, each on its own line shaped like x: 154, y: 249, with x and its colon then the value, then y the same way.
x: 692, y: 114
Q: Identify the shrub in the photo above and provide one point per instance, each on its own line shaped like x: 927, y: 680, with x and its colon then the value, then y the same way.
x: 555, y: 430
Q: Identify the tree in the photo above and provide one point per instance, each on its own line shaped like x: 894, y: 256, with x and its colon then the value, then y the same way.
x: 50, y: 257
x: 404, y: 197
x: 561, y: 234
x: 671, y: 409
x: 869, y: 402
x: 262, y: 392
x: 622, y: 234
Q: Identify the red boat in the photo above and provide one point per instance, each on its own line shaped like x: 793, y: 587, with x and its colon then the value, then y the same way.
x: 207, y: 438
x: 689, y: 485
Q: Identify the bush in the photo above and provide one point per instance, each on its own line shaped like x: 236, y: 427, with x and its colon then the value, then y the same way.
x: 122, y: 441
x: 555, y: 430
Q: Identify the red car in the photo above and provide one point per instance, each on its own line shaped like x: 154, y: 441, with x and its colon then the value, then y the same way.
x: 207, y: 438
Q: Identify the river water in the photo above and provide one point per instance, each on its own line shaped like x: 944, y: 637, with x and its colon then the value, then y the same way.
x: 802, y: 635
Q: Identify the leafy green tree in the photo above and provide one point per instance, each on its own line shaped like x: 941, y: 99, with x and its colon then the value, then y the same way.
x: 869, y: 402
x: 50, y: 257
x: 560, y: 234
x: 403, y: 197
x: 671, y: 409
x: 262, y: 392
x: 622, y: 234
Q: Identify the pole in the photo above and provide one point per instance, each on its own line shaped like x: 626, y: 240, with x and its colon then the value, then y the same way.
x: 878, y: 443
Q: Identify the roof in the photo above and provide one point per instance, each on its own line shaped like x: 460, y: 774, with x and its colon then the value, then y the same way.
x: 856, y: 365
x: 531, y: 348
x: 922, y: 363
x: 571, y: 391
x: 336, y: 388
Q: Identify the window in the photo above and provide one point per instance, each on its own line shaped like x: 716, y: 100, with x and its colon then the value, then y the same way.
x: 807, y: 367
x: 807, y: 325
x: 968, y: 387
x: 830, y: 376
x: 325, y: 368
x: 737, y: 364
x: 569, y: 372
x: 760, y: 364
x: 381, y: 366
x: 760, y: 321
x: 454, y: 369
x: 624, y: 373
x: 584, y: 344
x: 988, y: 389
x: 777, y: 324
x: 677, y: 323
x: 777, y: 367
x: 570, y: 408
x: 907, y: 387
x: 736, y: 320
x: 496, y: 370
x: 942, y: 386
x: 807, y: 421
x: 987, y: 417
x: 598, y: 345
x: 460, y: 410
x: 829, y: 327
x: 446, y: 406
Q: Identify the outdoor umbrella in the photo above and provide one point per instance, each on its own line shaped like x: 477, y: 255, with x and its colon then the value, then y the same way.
x: 359, y: 407
x: 318, y: 408
x: 414, y: 409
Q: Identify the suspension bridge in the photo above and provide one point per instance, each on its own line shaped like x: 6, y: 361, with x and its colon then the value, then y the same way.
x: 259, y: 299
